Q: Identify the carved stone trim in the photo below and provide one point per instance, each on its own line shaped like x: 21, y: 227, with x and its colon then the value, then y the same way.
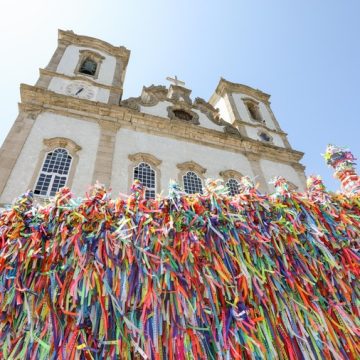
x: 90, y: 111
x: 80, y: 76
x: 63, y: 143
x: 176, y: 93
x: 230, y: 129
x: 109, y: 125
x: 212, y: 113
x: 69, y: 37
x: 225, y: 87
x: 238, y: 123
x: 145, y: 157
x: 132, y: 103
x: 191, y: 166
x: 230, y: 174
x: 172, y: 116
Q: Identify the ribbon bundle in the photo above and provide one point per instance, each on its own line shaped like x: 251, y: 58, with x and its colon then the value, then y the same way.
x: 184, y: 277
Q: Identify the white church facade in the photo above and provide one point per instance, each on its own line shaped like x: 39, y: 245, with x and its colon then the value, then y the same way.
x: 74, y: 128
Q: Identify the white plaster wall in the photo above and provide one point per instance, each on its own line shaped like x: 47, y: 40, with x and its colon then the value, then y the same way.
x: 171, y: 152
x: 244, y: 114
x: 206, y: 122
x: 252, y: 132
x: 59, y: 85
x: 48, y: 125
x: 272, y: 169
x: 160, y: 109
x: 70, y: 60
x: 223, y: 110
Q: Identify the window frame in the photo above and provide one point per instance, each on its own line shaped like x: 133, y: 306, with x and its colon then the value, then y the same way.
x: 185, y: 108
x: 227, y: 175
x: 50, y: 145
x: 263, y: 131
x: 201, y: 192
x: 147, y: 188
x: 91, y: 55
x: 151, y: 160
x: 193, y: 167
x: 52, y: 174
x: 251, y: 102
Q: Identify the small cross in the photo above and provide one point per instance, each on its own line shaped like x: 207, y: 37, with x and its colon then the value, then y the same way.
x: 175, y: 81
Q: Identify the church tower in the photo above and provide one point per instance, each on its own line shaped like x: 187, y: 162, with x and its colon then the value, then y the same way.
x: 74, y: 128
x: 86, y: 68
x: 83, y: 71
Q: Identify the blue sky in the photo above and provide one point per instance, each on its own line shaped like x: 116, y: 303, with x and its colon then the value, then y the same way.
x: 306, y: 54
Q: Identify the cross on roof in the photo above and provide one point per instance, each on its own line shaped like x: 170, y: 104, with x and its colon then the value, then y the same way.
x: 175, y: 81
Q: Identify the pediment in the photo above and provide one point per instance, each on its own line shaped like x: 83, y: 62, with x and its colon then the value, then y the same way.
x: 159, y: 96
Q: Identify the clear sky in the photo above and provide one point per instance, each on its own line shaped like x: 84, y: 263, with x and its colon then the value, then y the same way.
x: 306, y: 54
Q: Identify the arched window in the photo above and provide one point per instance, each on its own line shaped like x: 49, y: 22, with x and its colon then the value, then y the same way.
x: 253, y: 109
x: 54, y: 172
x: 233, y: 187
x: 146, y: 175
x: 88, y: 67
x: 192, y: 183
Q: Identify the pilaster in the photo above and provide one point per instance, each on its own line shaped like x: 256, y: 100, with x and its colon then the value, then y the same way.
x: 300, y: 170
x: 117, y: 84
x: 254, y: 160
x: 15, y: 140
x: 232, y: 108
x: 44, y: 80
x: 105, y: 152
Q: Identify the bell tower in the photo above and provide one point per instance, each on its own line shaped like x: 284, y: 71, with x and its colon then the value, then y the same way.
x: 86, y: 68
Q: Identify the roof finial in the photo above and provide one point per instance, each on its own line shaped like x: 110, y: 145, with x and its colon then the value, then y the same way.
x: 175, y: 81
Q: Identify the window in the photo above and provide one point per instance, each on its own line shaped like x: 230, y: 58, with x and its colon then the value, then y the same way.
x: 233, y: 187
x: 54, y: 172
x: 265, y: 137
x: 192, y: 183
x: 254, y: 110
x: 88, y: 67
x: 183, y: 115
x: 146, y: 175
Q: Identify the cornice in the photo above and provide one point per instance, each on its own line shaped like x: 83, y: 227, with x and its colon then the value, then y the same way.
x: 69, y: 37
x: 78, y: 78
x: 225, y: 87
x: 132, y: 119
x: 259, y: 126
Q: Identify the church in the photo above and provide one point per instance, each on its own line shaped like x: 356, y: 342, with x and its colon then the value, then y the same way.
x: 74, y: 128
